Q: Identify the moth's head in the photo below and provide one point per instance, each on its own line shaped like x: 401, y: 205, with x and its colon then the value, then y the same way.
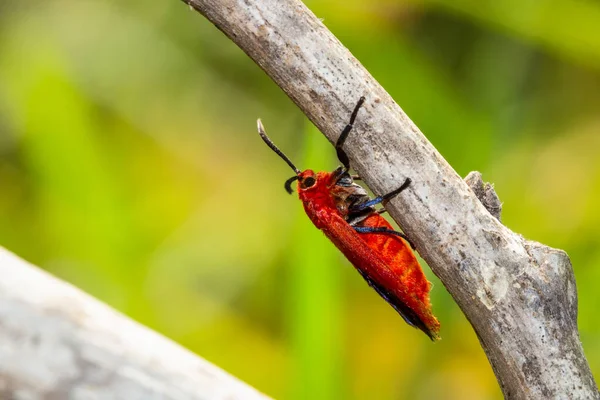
x: 306, y: 179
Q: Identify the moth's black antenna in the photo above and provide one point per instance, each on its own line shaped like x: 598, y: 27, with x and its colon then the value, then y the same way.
x: 288, y: 184
x: 265, y: 138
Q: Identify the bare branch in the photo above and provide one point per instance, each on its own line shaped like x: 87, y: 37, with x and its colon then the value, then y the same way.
x: 56, y: 342
x: 519, y: 296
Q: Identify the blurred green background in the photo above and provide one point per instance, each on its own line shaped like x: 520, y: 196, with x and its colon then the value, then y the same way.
x: 130, y: 167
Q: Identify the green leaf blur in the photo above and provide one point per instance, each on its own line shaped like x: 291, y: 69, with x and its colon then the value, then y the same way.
x: 130, y: 166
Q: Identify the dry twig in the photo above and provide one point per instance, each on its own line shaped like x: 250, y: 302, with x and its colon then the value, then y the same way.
x: 56, y: 342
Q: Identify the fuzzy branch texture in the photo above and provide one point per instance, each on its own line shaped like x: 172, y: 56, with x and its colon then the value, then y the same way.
x: 56, y: 342
x: 519, y: 295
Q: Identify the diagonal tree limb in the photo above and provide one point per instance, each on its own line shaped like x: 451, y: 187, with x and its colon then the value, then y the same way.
x: 57, y: 342
x: 519, y: 296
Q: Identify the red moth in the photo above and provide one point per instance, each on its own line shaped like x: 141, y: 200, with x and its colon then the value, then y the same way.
x: 345, y: 213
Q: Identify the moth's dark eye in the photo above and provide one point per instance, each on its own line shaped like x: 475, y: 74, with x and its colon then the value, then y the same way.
x: 308, y: 182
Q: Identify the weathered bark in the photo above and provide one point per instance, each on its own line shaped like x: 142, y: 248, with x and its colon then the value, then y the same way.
x: 519, y: 296
x: 56, y: 342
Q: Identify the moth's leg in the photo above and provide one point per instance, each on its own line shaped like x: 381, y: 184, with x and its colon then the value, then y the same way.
x: 379, y: 199
x: 342, y: 156
x: 382, y: 230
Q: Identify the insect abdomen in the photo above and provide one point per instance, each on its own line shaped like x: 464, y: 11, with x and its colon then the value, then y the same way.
x: 408, y: 292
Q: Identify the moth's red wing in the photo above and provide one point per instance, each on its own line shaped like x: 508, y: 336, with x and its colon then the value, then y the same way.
x: 397, y: 254
x: 389, y: 266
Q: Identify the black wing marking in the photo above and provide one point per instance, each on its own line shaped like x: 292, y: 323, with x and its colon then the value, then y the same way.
x: 405, y: 312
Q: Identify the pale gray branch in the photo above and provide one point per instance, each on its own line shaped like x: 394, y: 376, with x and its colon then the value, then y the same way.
x: 56, y: 342
x: 519, y: 296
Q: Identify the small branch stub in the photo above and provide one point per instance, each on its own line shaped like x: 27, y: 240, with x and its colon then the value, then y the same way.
x: 485, y: 193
